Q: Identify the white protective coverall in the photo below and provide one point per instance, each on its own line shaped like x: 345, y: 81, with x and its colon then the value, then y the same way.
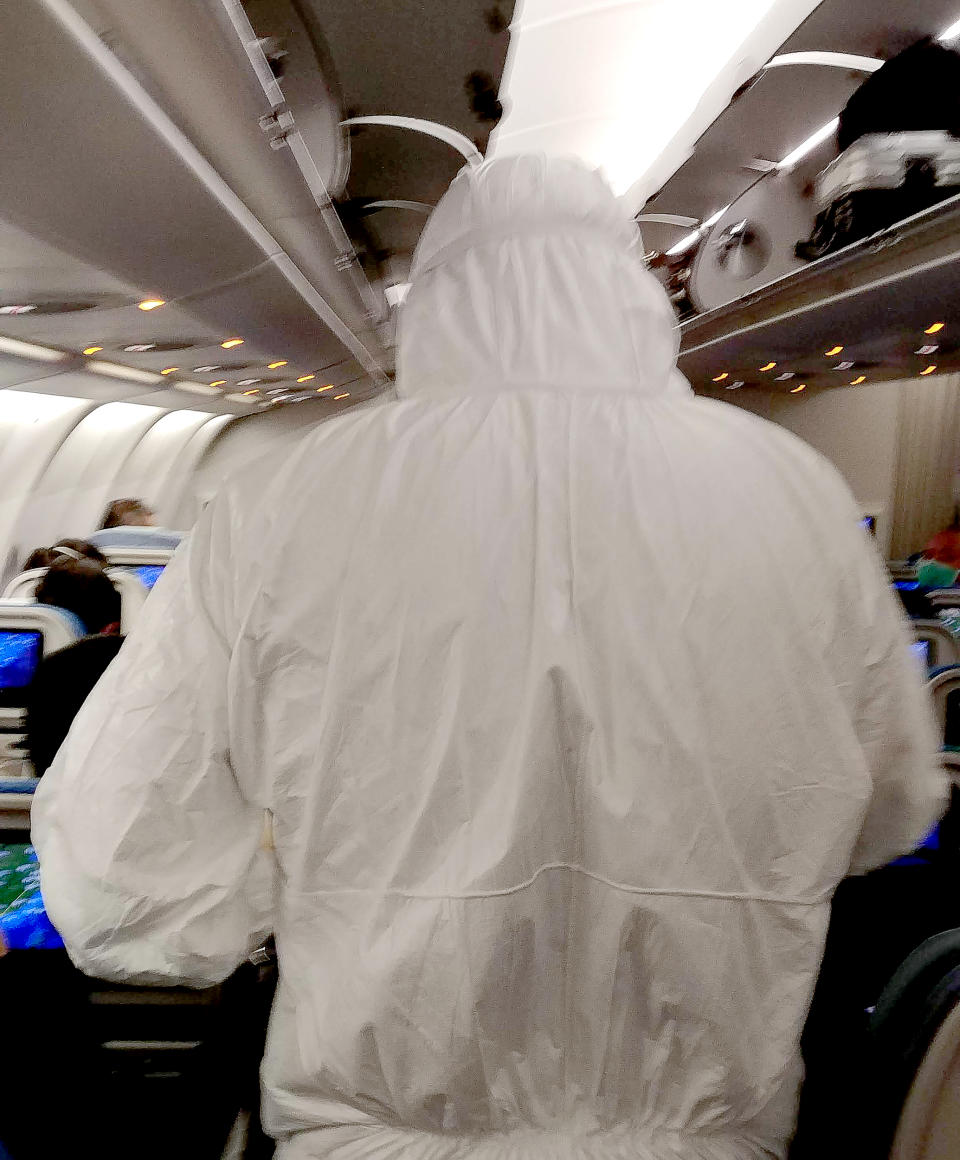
x: 572, y: 698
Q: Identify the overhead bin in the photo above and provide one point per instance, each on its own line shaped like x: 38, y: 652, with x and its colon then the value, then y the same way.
x: 86, y: 169
x: 875, y: 299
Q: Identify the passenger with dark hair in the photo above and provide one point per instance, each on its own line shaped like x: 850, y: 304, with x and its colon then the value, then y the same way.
x: 64, y: 549
x: 83, y: 588
x: 126, y: 513
x: 65, y: 678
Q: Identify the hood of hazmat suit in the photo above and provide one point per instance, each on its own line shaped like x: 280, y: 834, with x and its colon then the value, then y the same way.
x: 571, y: 697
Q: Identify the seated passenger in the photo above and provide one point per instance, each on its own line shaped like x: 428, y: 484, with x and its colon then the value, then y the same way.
x: 64, y: 679
x: 555, y: 832
x: 129, y: 523
x: 128, y: 513
x: 69, y: 549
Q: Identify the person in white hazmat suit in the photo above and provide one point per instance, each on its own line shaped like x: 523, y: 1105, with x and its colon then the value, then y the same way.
x: 571, y: 697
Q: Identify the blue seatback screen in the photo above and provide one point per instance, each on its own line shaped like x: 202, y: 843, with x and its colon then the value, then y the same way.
x: 148, y: 574
x: 24, y: 924
x: 921, y: 650
x: 20, y: 653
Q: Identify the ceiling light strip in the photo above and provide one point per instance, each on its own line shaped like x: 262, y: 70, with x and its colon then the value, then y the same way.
x: 30, y: 350
x: 211, y: 180
x: 128, y: 374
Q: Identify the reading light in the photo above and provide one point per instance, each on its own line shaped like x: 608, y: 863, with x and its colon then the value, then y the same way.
x: 151, y: 303
x: 798, y: 387
x: 281, y: 362
x: 858, y: 380
x: 929, y: 370
x: 92, y: 349
x: 720, y: 378
x: 935, y: 328
x: 769, y: 366
x: 169, y: 370
x: 231, y: 342
x: 345, y: 395
x: 838, y: 349
x: 306, y: 378
x: 218, y: 382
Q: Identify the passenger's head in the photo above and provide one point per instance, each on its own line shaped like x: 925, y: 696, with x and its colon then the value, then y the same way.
x: 126, y: 513
x: 64, y: 549
x: 530, y: 274
x: 83, y: 588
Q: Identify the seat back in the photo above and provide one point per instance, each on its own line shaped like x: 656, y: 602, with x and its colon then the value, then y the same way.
x: 944, y: 649
x: 944, y: 688
x: 28, y: 632
x: 905, y: 1026
x: 133, y: 557
x: 929, y: 1127
x: 901, y: 570
x: 944, y: 597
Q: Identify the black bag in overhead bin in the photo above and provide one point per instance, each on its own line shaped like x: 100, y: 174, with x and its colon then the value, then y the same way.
x: 917, y: 89
x: 899, y: 137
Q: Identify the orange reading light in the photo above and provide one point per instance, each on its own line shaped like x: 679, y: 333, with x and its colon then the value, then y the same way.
x: 769, y: 366
x: 306, y: 378
x: 151, y: 303
x: 833, y: 350
x: 92, y: 349
x: 218, y: 383
x: 720, y: 378
x: 935, y: 328
x: 858, y: 380
x: 929, y: 370
x: 281, y: 362
x: 345, y: 395
x: 798, y: 387
x: 230, y: 342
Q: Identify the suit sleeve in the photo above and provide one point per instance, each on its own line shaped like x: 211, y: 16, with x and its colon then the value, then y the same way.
x: 894, y: 722
x: 152, y: 864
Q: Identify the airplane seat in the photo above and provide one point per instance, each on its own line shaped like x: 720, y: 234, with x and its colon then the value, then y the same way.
x: 133, y: 591
x: 944, y: 687
x: 902, y: 570
x: 943, y: 648
x: 28, y: 632
x: 944, y: 597
x: 915, y: 1041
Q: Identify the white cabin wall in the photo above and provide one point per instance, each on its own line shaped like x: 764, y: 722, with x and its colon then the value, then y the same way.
x: 857, y: 429
x: 64, y: 458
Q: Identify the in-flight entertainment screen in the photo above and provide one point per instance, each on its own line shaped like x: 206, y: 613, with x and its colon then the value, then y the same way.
x: 20, y: 653
x: 148, y: 574
x: 23, y: 921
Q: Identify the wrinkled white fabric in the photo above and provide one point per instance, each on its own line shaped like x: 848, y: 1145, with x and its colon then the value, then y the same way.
x: 572, y: 698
